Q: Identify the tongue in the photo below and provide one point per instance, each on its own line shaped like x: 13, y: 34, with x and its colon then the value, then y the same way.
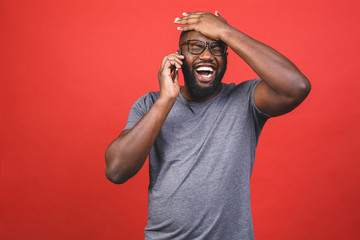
x: 205, y: 75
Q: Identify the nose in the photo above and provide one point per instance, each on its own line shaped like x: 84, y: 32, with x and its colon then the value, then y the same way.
x: 206, y: 54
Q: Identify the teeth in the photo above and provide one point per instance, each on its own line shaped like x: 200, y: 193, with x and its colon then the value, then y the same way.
x: 205, y: 69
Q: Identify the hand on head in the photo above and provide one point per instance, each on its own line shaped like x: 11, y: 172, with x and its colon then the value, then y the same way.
x: 210, y: 25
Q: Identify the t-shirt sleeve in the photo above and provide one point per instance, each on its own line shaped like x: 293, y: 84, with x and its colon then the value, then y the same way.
x: 259, y: 116
x: 139, y: 108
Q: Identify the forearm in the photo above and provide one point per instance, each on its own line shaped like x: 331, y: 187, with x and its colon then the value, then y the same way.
x: 283, y: 87
x: 279, y: 73
x: 126, y: 155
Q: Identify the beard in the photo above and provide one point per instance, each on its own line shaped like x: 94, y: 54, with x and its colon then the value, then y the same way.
x: 197, y: 92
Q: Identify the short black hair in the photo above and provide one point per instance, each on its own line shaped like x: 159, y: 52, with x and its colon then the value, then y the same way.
x: 182, y: 34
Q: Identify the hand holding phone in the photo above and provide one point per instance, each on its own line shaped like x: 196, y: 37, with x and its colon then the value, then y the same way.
x: 176, y: 69
x: 175, y: 74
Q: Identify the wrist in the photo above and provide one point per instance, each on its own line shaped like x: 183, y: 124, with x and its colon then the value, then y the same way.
x: 166, y: 101
x: 226, y: 33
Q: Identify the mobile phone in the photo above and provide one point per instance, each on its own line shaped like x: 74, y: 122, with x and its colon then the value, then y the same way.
x: 175, y: 73
x: 176, y: 69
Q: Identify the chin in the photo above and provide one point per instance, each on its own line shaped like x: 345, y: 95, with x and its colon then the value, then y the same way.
x: 200, y: 87
x: 199, y: 92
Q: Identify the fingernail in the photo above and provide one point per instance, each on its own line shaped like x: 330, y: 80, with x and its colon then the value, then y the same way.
x: 185, y: 13
x: 176, y: 19
x: 178, y: 28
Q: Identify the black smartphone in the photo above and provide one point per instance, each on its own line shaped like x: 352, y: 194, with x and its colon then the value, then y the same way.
x: 176, y: 69
x: 175, y: 73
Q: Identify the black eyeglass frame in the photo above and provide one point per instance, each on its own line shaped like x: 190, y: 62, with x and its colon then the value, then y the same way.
x: 206, y: 44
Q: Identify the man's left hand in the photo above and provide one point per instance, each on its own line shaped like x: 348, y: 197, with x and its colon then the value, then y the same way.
x: 207, y: 23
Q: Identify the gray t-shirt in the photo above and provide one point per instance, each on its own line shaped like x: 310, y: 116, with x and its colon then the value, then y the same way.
x: 200, y: 165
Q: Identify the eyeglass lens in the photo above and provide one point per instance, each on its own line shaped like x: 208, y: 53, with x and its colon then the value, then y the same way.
x: 197, y: 47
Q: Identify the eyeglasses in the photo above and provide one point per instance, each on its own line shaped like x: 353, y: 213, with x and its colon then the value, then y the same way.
x: 196, y: 47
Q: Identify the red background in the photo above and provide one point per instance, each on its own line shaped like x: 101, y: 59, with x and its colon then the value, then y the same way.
x: 70, y: 71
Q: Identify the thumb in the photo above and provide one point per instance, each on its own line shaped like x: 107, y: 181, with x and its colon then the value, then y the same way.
x: 218, y: 15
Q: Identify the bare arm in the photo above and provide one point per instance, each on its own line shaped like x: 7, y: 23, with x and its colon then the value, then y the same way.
x: 126, y: 154
x: 283, y: 87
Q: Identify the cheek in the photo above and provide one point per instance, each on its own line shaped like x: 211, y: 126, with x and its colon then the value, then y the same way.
x: 222, y: 63
x: 187, y: 63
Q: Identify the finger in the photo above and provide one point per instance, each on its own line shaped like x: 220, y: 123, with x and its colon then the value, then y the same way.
x: 171, y: 56
x: 218, y: 15
x: 176, y: 80
x: 178, y: 61
x: 176, y: 56
x: 163, y: 62
x: 192, y: 13
x: 188, y: 27
x: 179, y: 55
x: 187, y: 20
x: 174, y: 63
x: 169, y: 65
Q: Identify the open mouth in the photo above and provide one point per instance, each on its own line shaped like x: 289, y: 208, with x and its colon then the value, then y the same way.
x: 205, y: 73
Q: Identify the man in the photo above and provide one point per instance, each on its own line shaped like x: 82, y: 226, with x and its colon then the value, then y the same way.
x: 201, y: 137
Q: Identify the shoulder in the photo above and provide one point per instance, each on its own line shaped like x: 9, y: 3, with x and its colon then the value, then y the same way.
x: 150, y: 97
x: 248, y: 85
x: 243, y: 89
x: 146, y: 101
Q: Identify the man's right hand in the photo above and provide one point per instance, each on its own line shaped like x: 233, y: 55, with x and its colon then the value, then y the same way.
x: 126, y: 154
x: 169, y: 89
